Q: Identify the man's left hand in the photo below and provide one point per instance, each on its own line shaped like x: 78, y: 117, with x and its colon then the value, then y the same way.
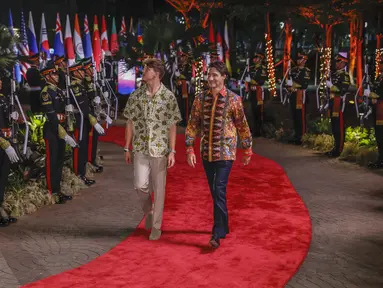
x: 171, y: 160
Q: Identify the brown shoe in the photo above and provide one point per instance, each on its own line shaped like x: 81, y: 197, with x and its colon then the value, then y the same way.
x: 155, y: 234
x: 214, y: 242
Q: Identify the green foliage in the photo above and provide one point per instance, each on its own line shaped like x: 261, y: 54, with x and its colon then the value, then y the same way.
x: 319, y: 126
x: 7, y: 42
x: 361, y: 137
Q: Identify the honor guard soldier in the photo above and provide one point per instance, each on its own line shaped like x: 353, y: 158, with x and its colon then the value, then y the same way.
x: 35, y: 83
x: 55, y: 136
x: 376, y: 101
x: 300, y: 77
x: 338, y: 85
x: 258, y: 76
x: 80, y: 155
x: 94, y: 103
x: 8, y: 154
x: 61, y: 68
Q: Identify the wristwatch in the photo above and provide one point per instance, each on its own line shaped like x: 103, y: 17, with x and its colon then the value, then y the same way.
x: 127, y: 150
x: 172, y: 151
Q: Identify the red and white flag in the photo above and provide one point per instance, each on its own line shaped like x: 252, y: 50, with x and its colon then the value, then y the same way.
x: 104, y: 37
x: 96, y: 43
x: 123, y: 26
x: 69, y: 51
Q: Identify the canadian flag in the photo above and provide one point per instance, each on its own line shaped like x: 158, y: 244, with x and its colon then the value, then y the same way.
x: 69, y: 51
x: 104, y: 36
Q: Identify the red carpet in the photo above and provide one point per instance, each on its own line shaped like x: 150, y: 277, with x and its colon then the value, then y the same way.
x: 270, y: 234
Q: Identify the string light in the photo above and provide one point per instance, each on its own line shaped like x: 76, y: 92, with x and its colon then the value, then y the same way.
x: 325, y: 61
x: 378, y: 55
x: 199, y: 76
x: 270, y: 66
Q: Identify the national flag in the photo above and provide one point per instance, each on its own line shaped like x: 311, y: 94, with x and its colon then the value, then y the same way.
x: 123, y: 26
x: 227, y: 49
x: 44, y: 44
x: 58, y: 45
x: 32, y: 42
x: 86, y: 39
x: 77, y: 39
x: 96, y: 43
x: 23, y: 45
x: 139, y: 34
x: 212, y: 55
x: 17, y: 72
x: 104, y: 36
x: 69, y: 43
x: 114, y: 38
x: 219, y: 46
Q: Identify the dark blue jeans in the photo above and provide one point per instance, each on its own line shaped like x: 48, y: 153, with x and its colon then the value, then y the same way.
x: 218, y: 176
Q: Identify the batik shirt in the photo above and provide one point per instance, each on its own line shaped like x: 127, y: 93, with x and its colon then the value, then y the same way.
x: 218, y: 120
x: 152, y: 118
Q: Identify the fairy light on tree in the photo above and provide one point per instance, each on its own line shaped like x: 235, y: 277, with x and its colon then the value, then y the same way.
x: 199, y: 76
x: 270, y: 66
x: 325, y: 65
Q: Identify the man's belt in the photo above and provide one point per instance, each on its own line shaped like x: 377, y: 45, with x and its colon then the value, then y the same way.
x: 61, y: 117
x: 35, y: 88
x: 7, y: 132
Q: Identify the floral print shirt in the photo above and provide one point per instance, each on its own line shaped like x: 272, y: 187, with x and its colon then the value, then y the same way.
x: 152, y: 118
x: 218, y: 120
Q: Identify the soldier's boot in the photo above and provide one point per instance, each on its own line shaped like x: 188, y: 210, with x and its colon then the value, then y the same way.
x: 87, y: 181
x: 376, y: 165
x: 98, y: 168
x: 5, y: 219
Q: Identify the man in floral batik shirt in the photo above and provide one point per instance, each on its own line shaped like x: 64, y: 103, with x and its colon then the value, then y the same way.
x: 152, y: 112
x: 217, y: 115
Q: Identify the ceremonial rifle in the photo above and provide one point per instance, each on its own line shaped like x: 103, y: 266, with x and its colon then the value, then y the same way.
x: 285, y: 95
x: 363, y: 110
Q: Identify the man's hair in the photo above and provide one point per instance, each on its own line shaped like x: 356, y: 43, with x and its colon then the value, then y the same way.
x: 157, y: 65
x: 220, y: 66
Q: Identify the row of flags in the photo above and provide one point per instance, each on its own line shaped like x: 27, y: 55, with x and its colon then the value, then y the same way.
x: 74, y: 48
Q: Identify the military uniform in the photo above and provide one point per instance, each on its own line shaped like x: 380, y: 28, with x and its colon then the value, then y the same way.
x: 258, y: 76
x: 35, y: 83
x: 93, y: 134
x: 340, y: 83
x: 5, y: 163
x: 300, y: 77
x: 80, y: 154
x: 182, y: 89
x: 53, y: 106
x: 376, y: 102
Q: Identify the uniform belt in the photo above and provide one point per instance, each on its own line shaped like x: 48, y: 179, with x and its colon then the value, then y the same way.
x: 35, y: 88
x: 61, y: 117
x: 7, y: 132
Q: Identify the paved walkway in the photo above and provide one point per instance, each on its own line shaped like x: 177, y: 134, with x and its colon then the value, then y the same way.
x: 345, y: 204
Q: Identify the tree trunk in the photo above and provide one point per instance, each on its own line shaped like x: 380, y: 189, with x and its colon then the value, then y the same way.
x: 359, y: 55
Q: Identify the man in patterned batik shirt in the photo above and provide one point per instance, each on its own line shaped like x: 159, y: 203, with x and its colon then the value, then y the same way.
x: 218, y: 116
x: 152, y: 112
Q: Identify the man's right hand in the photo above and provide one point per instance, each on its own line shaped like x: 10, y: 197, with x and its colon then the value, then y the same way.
x: 192, y: 159
x: 128, y: 157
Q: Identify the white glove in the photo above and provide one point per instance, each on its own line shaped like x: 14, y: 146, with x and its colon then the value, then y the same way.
x: 70, y: 141
x: 108, y: 120
x: 15, y: 115
x: 97, y: 100
x: 289, y: 83
x: 106, y: 94
x: 12, y: 155
x: 99, y: 129
x: 367, y: 92
x: 329, y: 84
x: 177, y: 73
x: 247, y: 79
x: 69, y: 108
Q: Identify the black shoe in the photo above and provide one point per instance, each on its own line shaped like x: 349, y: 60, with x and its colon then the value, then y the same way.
x: 3, y: 222
x: 87, y: 181
x: 61, y: 198
x: 12, y: 220
x: 333, y: 154
x: 376, y: 165
x: 214, y: 242
x: 98, y: 168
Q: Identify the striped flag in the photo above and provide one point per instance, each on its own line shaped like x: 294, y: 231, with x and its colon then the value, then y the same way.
x: 114, y: 38
x: 123, y: 26
x: 23, y: 45
x: 17, y: 65
x: 44, y: 44
x: 32, y: 42
x: 219, y: 46
x: 69, y: 43
x: 86, y: 40
x: 58, y: 45
x: 227, y: 49
x: 77, y: 39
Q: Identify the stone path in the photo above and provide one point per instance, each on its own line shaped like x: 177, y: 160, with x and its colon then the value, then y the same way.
x: 345, y: 204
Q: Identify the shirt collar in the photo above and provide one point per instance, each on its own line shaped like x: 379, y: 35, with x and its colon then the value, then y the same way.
x: 157, y: 93
x: 223, y: 92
